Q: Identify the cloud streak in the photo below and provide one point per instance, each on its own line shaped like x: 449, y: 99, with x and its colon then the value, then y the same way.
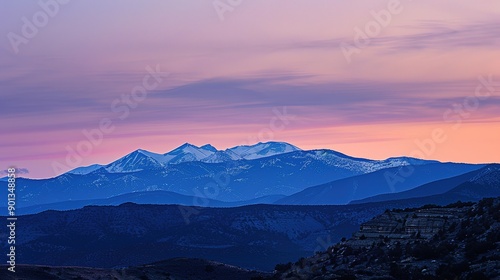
x: 423, y: 35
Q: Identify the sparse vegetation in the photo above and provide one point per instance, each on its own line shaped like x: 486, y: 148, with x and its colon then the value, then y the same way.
x: 463, y: 245
x: 209, y: 268
x: 283, y: 267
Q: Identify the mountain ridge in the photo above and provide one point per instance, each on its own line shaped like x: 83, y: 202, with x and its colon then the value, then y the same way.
x: 188, y: 152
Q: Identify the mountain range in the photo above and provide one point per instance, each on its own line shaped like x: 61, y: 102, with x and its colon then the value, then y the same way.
x: 261, y: 170
x: 333, y: 193
x: 272, y: 172
x: 142, y: 159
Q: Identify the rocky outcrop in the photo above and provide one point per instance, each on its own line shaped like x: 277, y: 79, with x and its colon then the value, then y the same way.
x: 402, y: 225
x: 459, y: 241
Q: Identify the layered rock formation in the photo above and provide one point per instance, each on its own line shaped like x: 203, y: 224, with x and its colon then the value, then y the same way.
x: 459, y: 241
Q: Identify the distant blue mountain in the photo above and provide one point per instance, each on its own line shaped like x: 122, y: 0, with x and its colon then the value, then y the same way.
x: 148, y: 197
x: 432, y: 188
x: 485, y: 183
x: 386, y: 181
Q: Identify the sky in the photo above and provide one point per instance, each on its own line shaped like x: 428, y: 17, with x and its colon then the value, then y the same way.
x: 84, y: 82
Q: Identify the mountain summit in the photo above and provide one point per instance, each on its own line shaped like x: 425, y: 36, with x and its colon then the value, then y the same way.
x: 143, y: 159
x: 261, y: 150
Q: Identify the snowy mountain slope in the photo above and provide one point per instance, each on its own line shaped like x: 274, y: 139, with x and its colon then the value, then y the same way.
x: 135, y: 161
x: 222, y: 156
x: 85, y: 169
x: 359, y: 165
x: 143, y: 160
x: 209, y: 147
x: 261, y: 150
x: 188, y: 152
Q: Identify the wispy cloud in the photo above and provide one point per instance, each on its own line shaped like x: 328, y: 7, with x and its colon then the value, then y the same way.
x: 353, y: 102
x: 436, y: 35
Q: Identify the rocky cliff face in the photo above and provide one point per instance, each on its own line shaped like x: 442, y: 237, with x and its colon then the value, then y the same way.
x: 401, y: 225
x: 459, y: 241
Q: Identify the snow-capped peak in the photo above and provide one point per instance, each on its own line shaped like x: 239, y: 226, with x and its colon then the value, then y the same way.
x: 187, y: 152
x: 142, y: 159
x: 158, y: 157
x: 222, y: 156
x: 209, y: 147
x: 261, y: 150
x: 136, y: 161
x: 182, y: 148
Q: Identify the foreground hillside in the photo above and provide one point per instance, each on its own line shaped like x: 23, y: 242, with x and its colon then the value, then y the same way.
x: 254, y: 237
x: 174, y: 269
x: 459, y: 241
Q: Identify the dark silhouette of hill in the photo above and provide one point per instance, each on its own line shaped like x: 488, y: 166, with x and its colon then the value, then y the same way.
x: 173, y: 269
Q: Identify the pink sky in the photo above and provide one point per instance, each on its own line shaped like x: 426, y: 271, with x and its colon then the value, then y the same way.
x: 229, y: 75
